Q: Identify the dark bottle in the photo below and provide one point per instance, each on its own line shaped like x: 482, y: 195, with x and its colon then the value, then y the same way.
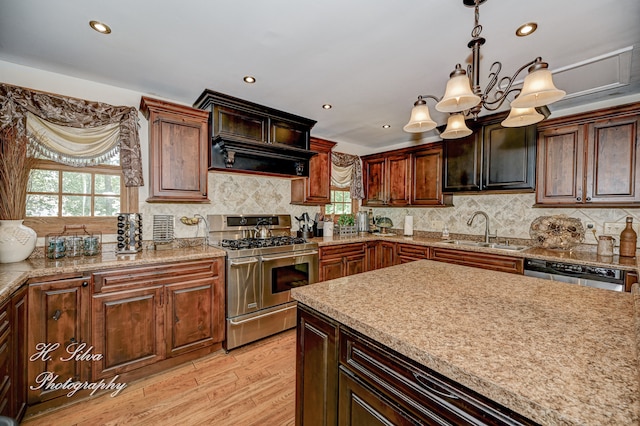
x: 628, y: 240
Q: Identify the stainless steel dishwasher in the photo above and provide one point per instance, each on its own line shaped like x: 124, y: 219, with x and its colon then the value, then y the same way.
x: 571, y: 273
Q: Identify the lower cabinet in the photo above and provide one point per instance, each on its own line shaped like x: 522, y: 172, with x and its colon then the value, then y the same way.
x: 19, y: 382
x: 387, y: 254
x: 495, y: 262
x: 58, y: 325
x: 342, y: 260
x: 173, y: 308
x: 6, y: 366
x: 316, y: 369
x: 346, y: 378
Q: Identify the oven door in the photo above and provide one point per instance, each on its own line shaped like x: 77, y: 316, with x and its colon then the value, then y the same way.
x: 284, y: 271
x: 243, y: 286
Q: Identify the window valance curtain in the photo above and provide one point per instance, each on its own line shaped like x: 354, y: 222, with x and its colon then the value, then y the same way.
x: 74, y: 131
x: 346, y: 171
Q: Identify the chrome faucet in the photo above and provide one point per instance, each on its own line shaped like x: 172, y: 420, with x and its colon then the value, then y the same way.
x: 487, y: 234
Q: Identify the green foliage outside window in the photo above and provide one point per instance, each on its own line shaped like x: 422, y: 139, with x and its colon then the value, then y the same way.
x: 340, y: 202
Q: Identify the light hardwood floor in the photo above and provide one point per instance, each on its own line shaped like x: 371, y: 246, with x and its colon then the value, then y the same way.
x: 252, y: 385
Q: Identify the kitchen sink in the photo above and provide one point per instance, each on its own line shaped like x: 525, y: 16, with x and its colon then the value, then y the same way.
x: 508, y: 247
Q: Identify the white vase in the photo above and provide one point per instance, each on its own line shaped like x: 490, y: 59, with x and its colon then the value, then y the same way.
x: 17, y: 241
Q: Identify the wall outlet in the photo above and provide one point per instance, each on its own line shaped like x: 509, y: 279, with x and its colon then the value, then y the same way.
x: 615, y: 228
x: 437, y: 225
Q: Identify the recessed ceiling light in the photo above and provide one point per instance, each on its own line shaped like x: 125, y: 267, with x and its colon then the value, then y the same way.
x: 386, y: 126
x: 100, y: 27
x: 249, y: 79
x: 526, y: 29
x: 327, y: 106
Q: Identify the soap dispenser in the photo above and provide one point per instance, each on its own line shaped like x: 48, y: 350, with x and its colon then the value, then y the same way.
x: 445, y: 233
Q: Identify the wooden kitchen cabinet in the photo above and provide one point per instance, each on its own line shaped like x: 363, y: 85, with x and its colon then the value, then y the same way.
x: 387, y: 254
x: 316, y: 189
x: 178, y: 152
x: 19, y: 352
x: 316, y: 369
x: 175, y: 309
x: 409, y: 176
x: 590, y: 160
x: 59, y: 312
x: 372, y: 256
x: 494, y: 262
x: 6, y: 364
x: 493, y: 158
x: 342, y: 260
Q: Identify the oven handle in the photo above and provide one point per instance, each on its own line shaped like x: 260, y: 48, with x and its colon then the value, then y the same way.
x: 234, y: 322
x: 290, y: 255
x: 247, y: 262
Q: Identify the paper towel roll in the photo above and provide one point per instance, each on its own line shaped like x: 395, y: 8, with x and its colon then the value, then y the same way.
x: 408, y: 225
x: 327, y: 229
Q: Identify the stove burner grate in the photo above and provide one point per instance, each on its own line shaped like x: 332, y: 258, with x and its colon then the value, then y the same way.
x: 249, y: 243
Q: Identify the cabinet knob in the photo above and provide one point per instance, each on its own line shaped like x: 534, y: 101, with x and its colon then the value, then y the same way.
x: 85, y: 283
x: 588, y: 198
x: 72, y: 340
x: 579, y: 198
x: 56, y: 315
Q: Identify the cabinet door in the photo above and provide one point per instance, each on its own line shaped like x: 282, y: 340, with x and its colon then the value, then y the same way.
x: 178, y: 152
x: 387, y: 253
x: 6, y: 365
x: 19, y: 382
x: 462, y: 163
x: 409, y: 252
x: 355, y: 264
x: 399, y: 172
x: 58, y: 319
x: 191, y: 316
x: 361, y: 405
x: 560, y: 165
x: 115, y: 315
x: 374, y: 176
x: 331, y: 269
x: 290, y: 134
x: 613, y: 161
x: 509, y: 157
x: 372, y: 256
x: 493, y: 262
x: 426, y: 172
x: 316, y: 370
x: 316, y: 189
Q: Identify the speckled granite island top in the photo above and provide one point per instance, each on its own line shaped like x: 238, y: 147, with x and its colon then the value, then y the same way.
x: 555, y: 353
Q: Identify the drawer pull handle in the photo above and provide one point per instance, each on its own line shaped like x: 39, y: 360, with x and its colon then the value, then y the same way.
x: 85, y: 283
x: 56, y: 315
x: 425, y: 383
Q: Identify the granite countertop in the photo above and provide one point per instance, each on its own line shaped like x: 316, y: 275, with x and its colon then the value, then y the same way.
x: 13, y: 275
x: 583, y: 257
x: 557, y: 354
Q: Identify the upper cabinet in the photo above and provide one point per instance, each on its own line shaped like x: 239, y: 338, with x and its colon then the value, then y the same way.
x: 493, y: 158
x: 405, y: 177
x: 178, y: 152
x: 590, y: 159
x: 251, y: 138
x: 316, y: 189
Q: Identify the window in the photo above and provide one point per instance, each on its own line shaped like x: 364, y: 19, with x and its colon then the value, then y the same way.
x: 341, y: 202
x: 60, y: 195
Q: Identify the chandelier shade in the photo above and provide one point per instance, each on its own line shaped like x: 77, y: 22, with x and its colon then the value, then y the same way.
x: 458, y: 95
x: 538, y: 90
x: 456, y: 127
x: 420, y: 120
x: 519, y: 117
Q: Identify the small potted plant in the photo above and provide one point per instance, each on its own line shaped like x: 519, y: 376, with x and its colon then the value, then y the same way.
x: 16, y: 240
x: 347, y: 225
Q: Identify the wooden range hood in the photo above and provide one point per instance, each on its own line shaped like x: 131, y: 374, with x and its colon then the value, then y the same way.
x: 251, y: 138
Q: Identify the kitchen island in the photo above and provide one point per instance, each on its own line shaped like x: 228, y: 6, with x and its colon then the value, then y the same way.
x: 550, y: 352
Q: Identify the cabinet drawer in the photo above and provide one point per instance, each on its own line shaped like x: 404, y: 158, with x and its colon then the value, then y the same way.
x: 417, y: 389
x: 412, y: 251
x: 479, y: 260
x: 342, y: 250
x: 121, y: 279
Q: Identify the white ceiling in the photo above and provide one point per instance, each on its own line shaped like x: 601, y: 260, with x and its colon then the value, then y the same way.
x: 368, y: 58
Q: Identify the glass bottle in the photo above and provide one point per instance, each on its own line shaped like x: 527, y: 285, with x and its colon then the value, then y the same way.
x: 628, y: 240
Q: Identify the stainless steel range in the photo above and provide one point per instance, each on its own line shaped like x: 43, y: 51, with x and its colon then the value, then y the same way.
x: 263, y: 263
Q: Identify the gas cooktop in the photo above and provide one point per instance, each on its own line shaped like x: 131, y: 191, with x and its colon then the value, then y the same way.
x: 251, y: 243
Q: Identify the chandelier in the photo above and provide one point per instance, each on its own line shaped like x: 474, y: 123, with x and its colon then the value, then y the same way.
x: 461, y: 100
